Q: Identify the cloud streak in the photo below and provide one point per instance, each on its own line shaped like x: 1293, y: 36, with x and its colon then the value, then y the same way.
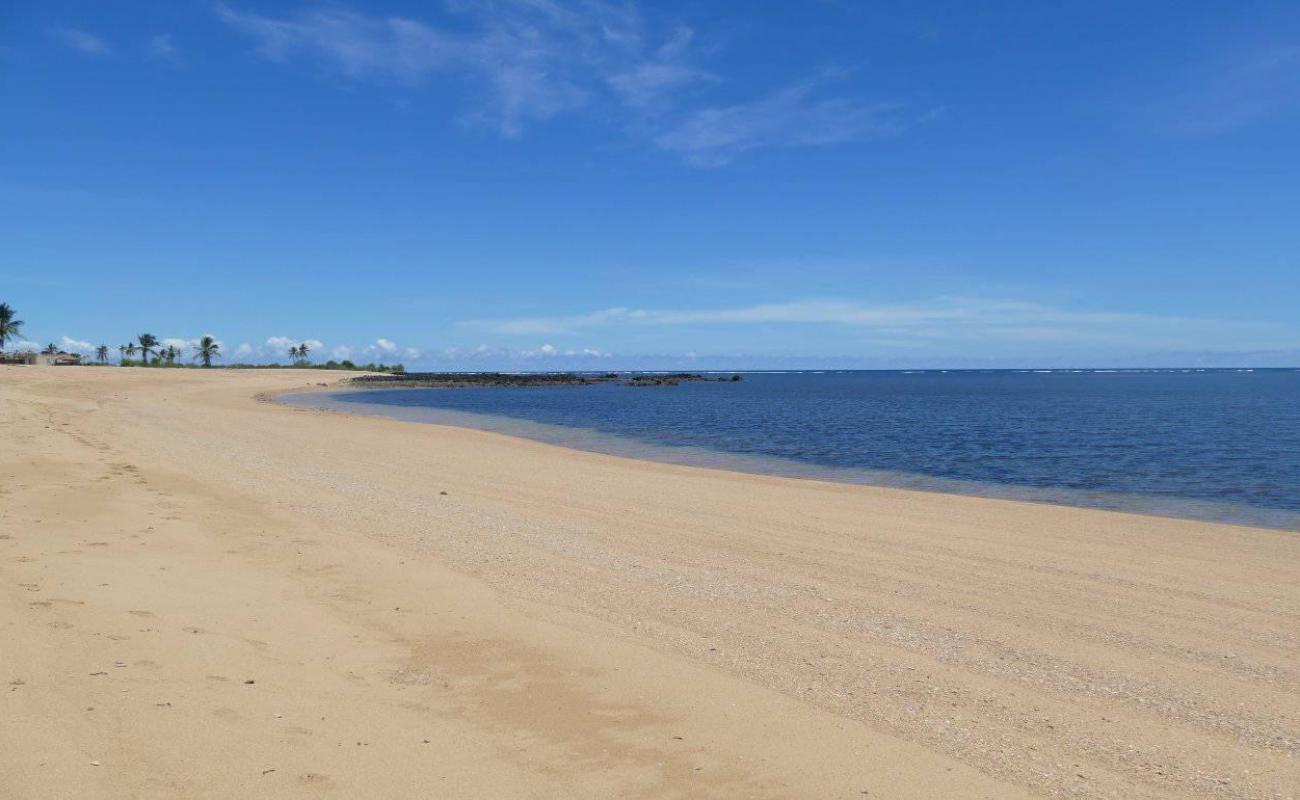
x: 1233, y: 92
x: 791, y: 117
x: 533, y: 60
x: 941, y: 319
x: 81, y: 41
x: 162, y: 47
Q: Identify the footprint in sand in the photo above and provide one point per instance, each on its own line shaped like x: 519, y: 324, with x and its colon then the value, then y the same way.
x: 141, y: 613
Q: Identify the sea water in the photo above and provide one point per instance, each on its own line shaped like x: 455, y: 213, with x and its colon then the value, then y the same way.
x: 1209, y: 444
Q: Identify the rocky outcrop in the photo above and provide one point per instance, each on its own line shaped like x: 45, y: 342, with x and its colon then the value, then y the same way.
x: 462, y: 380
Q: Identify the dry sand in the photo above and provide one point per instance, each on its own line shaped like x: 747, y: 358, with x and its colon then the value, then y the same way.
x: 202, y: 595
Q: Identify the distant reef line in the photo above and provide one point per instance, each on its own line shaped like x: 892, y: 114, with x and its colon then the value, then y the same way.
x: 467, y: 380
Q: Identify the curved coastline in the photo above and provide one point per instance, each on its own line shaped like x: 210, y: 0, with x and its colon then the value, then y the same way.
x: 684, y: 631
x: 325, y: 398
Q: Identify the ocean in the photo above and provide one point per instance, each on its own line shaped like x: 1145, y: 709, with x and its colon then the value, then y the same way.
x: 1211, y: 444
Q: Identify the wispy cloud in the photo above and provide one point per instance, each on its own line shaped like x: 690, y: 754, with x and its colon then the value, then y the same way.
x: 82, y: 41
x: 948, y: 318
x: 162, y: 47
x: 647, y: 83
x: 794, y: 116
x: 278, y: 346
x: 188, y: 344
x: 534, y: 59
x: 76, y: 345
x: 1233, y: 92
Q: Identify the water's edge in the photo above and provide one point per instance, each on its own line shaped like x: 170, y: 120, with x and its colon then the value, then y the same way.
x: 593, y: 441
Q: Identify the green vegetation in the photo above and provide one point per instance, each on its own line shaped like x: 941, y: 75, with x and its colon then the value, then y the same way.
x: 146, y: 342
x: 9, y: 327
x: 154, y: 354
x: 207, y: 350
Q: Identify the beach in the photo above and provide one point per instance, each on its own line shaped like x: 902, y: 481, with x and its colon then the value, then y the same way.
x: 206, y: 594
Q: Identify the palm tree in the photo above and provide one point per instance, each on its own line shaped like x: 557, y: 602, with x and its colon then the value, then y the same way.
x: 147, y: 343
x: 101, y: 354
x: 130, y: 349
x: 303, y: 350
x: 207, y: 350
x: 51, y: 348
x: 9, y: 327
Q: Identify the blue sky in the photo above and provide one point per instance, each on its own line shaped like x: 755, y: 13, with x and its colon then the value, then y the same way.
x: 545, y: 184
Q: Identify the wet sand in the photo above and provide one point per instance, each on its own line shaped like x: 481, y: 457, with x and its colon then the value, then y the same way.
x: 203, y: 595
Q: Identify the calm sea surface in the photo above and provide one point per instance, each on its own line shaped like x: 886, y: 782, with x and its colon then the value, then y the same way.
x: 1212, y: 444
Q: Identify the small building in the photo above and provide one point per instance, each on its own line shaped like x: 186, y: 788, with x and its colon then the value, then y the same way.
x: 59, y: 359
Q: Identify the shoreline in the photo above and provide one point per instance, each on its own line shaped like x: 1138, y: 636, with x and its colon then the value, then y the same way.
x: 379, y: 608
x: 620, y: 446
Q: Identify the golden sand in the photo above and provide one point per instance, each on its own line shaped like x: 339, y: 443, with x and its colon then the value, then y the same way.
x: 203, y: 595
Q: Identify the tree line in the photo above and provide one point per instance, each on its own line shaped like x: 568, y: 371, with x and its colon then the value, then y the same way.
x: 154, y: 353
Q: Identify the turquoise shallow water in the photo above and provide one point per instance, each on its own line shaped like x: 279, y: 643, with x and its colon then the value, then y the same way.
x: 1208, y: 444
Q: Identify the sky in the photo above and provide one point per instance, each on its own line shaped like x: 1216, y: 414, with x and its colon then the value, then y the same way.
x: 573, y: 184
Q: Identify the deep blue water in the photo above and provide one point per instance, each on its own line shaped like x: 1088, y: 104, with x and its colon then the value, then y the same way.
x: 1213, y: 444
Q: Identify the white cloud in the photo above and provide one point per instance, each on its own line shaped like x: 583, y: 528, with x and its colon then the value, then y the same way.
x: 647, y: 85
x: 486, y: 357
x: 382, y: 349
x: 81, y: 41
x: 791, y: 117
x: 1235, y: 92
x: 341, y: 352
x: 244, y: 349
x: 946, y: 318
x: 162, y: 47
x: 183, y: 343
x: 76, y: 345
x: 532, y: 59
x: 278, y: 346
